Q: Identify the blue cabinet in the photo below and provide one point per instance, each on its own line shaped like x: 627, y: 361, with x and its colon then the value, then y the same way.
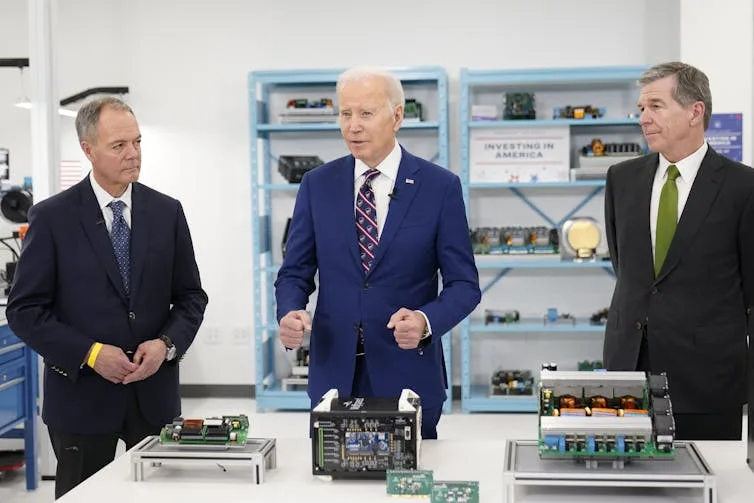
x: 18, y: 397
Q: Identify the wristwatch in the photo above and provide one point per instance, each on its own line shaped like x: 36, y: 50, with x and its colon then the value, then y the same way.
x: 171, y: 347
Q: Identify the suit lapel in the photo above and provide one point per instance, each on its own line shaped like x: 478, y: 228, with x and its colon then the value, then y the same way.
x: 644, y: 195
x: 344, y: 208
x: 139, y: 236
x: 95, y: 229
x: 406, y: 184
x: 703, y: 193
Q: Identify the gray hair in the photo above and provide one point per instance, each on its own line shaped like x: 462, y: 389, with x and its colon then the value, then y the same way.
x: 692, y: 85
x: 87, y: 117
x: 393, y: 86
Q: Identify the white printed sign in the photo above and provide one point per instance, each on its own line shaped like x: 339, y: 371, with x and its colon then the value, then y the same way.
x: 526, y: 155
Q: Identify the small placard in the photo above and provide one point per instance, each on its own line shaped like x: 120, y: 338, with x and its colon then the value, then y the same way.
x: 520, y: 155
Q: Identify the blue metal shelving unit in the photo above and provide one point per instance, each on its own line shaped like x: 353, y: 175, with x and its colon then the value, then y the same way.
x: 474, y: 397
x: 269, y: 394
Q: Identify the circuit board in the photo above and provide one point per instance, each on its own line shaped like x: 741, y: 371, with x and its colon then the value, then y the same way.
x: 605, y: 415
x: 363, y: 438
x: 409, y: 483
x: 230, y: 431
x: 455, y: 492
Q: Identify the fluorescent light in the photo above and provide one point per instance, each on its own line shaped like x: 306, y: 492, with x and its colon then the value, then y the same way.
x: 62, y: 111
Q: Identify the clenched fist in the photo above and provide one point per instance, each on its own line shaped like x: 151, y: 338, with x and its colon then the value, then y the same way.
x: 408, y: 327
x: 292, y: 328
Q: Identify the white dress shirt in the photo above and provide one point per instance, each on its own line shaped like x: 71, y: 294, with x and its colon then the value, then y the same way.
x: 104, y: 198
x: 688, y: 168
x: 382, y: 187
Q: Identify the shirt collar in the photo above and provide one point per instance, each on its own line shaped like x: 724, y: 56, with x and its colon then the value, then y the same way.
x: 388, y: 166
x: 688, y: 166
x: 103, y: 198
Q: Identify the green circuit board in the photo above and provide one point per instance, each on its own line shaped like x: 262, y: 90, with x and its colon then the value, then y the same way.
x: 409, y: 482
x: 225, y: 430
x: 455, y: 492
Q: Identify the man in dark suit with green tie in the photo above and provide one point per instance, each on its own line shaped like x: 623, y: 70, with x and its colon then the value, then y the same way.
x: 680, y: 229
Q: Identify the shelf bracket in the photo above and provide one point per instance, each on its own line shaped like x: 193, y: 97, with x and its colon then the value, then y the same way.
x: 497, y: 278
x: 578, y: 207
x: 533, y: 206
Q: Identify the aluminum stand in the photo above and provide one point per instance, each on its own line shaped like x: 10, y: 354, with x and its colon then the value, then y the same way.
x: 689, y: 470
x: 259, y: 454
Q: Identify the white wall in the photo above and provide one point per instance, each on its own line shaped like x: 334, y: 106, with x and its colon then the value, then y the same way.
x: 187, y: 64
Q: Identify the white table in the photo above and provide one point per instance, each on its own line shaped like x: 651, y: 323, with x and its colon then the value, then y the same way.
x: 474, y: 459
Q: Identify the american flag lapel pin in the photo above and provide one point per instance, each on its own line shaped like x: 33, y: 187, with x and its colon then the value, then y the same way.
x: 409, y: 180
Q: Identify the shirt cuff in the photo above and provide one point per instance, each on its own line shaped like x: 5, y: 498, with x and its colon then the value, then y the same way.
x: 429, y: 327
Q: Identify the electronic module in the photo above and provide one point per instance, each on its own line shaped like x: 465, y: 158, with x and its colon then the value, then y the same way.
x: 227, y: 431
x: 365, y: 437
x: 605, y: 415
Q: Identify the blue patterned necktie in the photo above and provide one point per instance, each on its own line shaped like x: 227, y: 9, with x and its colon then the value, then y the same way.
x: 120, y: 235
x: 366, y: 220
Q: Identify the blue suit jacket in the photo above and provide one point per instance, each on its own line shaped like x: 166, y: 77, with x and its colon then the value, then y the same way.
x: 68, y: 293
x: 425, y: 232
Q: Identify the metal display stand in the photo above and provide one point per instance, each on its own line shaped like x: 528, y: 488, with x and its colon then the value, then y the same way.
x: 689, y: 470
x: 258, y: 453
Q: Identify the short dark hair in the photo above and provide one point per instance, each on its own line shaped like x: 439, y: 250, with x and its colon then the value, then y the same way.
x: 692, y: 85
x: 87, y: 117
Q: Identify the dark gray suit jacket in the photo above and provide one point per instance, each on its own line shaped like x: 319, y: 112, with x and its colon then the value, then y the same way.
x: 696, y: 312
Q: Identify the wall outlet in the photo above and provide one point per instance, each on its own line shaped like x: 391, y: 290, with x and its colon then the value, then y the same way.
x: 241, y: 336
x: 211, y: 336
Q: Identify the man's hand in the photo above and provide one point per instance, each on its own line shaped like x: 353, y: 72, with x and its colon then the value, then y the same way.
x: 408, y: 327
x: 113, y: 364
x: 292, y: 328
x: 148, y: 357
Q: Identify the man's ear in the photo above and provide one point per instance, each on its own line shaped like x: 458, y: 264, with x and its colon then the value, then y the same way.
x: 697, y: 113
x: 88, y: 150
x: 398, y: 117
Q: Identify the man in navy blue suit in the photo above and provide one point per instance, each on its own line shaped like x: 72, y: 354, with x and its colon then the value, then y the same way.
x: 107, y: 291
x: 378, y: 225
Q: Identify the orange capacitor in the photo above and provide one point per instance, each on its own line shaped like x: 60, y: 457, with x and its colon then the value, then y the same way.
x: 599, y: 402
x: 628, y: 402
x: 567, y: 402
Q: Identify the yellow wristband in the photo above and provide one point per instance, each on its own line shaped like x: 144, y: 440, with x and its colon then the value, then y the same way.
x: 93, y: 354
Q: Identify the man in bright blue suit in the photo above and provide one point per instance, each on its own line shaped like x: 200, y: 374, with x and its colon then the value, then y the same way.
x: 378, y: 225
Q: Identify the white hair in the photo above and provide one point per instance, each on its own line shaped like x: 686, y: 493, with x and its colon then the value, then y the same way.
x: 393, y: 86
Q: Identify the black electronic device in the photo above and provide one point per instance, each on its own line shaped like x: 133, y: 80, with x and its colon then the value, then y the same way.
x: 294, y: 167
x: 363, y: 438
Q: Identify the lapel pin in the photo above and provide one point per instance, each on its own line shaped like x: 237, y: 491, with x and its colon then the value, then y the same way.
x: 409, y: 180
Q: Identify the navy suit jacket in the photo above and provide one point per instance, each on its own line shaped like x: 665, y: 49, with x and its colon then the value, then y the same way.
x: 68, y: 294
x: 426, y: 231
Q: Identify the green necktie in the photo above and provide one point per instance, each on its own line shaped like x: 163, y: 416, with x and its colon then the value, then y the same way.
x: 667, y: 217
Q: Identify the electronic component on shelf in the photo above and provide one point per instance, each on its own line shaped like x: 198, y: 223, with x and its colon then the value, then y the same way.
x: 294, y: 167
x: 412, y: 111
x: 229, y: 431
x: 519, y: 106
x: 511, y: 383
x: 597, y: 149
x: 596, y: 158
x: 299, y: 377
x: 580, y: 238
x: 579, y: 112
x: 414, y: 483
x: 363, y: 438
x: 587, y: 365
x: 600, y: 317
x: 496, y: 316
x: 300, y: 111
x: 515, y: 240
x: 455, y: 491
x: 604, y: 416
x: 552, y: 316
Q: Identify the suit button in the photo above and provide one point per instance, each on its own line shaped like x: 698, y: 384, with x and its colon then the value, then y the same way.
x: 366, y: 286
x: 132, y: 315
x: 654, y: 290
x: 638, y: 325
